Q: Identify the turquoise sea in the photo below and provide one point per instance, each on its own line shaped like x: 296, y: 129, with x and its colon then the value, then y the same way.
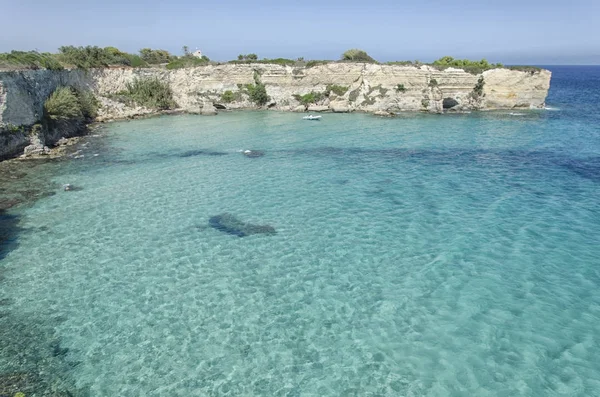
x: 423, y: 255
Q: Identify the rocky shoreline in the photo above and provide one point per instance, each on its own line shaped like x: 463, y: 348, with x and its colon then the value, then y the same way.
x: 383, y: 90
x: 34, y: 363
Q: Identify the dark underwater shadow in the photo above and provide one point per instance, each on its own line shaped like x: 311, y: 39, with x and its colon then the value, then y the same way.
x: 229, y: 224
x: 9, y: 232
x: 514, y: 160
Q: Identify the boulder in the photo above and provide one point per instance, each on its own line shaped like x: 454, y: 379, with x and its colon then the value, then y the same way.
x: 35, y: 150
x: 67, y: 187
x: 383, y: 113
x: 340, y: 108
x: 318, y: 108
x: 253, y: 153
x: 208, y: 111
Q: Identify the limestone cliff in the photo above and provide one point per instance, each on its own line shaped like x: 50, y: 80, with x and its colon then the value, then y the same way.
x: 362, y: 87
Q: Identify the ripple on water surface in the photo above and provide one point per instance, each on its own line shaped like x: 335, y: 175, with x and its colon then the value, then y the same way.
x: 413, y: 256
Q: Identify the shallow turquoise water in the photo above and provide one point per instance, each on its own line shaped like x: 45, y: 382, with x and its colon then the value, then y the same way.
x: 452, y: 255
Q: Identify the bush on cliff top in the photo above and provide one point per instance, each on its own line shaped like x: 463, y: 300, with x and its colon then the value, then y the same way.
x: 118, y: 57
x: 151, y: 93
x: 467, y: 65
x: 29, y: 60
x: 156, y: 56
x: 357, y: 55
x: 188, y: 61
x: 85, y: 57
x: 276, y: 61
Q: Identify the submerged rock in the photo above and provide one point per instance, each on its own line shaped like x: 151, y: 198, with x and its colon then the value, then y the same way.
x: 69, y: 188
x: 253, y: 153
x: 199, y: 152
x: 229, y: 224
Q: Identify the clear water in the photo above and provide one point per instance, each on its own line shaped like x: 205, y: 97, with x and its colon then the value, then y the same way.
x: 453, y: 255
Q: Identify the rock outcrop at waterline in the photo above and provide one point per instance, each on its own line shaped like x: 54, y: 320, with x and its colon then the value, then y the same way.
x: 337, y: 87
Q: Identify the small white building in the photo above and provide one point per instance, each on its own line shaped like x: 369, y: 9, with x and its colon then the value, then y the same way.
x: 197, y: 54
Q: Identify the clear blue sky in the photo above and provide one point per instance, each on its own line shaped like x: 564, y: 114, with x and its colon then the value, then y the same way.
x: 509, y: 31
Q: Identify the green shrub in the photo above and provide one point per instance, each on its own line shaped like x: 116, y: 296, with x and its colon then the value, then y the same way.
x: 529, y: 69
x: 228, y: 96
x: 257, y: 91
x: 188, y: 61
x: 433, y: 83
x: 311, y: 97
x: 69, y: 103
x: 63, y: 104
x: 401, y: 63
x: 280, y: 61
x: 151, y: 93
x: 118, y: 57
x: 155, y: 57
x: 30, y: 60
x: 11, y: 129
x: 336, y: 89
x: 478, y: 89
x: 314, y: 63
x: 247, y: 57
x: 400, y: 88
x: 85, y: 57
x: 87, y: 103
x: 357, y: 55
x: 276, y: 61
x: 474, y: 67
x: 136, y: 61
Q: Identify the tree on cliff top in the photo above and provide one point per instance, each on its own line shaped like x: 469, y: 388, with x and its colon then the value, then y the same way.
x: 85, y: 57
x: 155, y: 56
x: 247, y: 57
x: 357, y: 55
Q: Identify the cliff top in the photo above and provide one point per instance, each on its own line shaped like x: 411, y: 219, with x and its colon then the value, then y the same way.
x: 89, y: 57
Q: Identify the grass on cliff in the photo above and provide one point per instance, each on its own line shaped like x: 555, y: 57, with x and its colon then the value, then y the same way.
x: 151, y: 93
x: 276, y: 61
x: 71, y: 56
x: 188, y: 61
x: 29, y: 60
x: 68, y: 103
x: 527, y: 69
x: 473, y: 67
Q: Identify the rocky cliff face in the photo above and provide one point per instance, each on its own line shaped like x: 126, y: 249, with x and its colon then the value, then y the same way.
x: 361, y: 87
x: 368, y: 87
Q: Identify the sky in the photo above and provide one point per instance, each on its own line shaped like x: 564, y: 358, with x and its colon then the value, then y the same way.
x: 535, y: 32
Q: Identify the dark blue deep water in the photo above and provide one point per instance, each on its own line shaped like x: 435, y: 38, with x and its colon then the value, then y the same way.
x: 424, y: 255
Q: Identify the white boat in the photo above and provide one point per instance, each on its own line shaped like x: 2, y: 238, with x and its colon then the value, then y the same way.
x: 311, y: 117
